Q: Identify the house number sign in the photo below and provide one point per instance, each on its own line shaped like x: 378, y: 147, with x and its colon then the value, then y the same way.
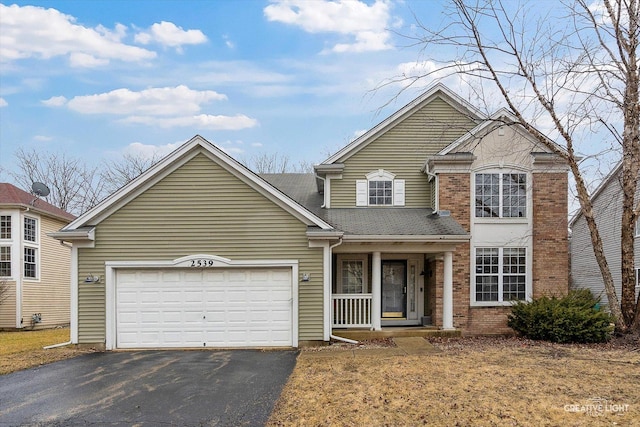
x: 201, y: 263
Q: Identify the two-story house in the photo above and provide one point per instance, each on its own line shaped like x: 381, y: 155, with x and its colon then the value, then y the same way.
x: 34, y: 268
x: 438, y: 215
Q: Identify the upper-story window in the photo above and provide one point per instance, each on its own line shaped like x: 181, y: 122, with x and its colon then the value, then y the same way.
x: 380, y: 189
x: 30, y: 230
x: 638, y: 228
x: 501, y: 195
x: 5, y: 226
x: 31, y: 251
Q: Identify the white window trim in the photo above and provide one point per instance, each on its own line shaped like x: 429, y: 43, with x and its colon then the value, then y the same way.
x: 28, y: 244
x: 12, y: 219
x: 502, y: 219
x: 500, y: 302
x: 365, y: 270
x: 11, y: 261
x: 397, y: 188
x: 638, y: 227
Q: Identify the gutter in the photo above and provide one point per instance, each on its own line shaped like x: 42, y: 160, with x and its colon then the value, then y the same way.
x: 462, y: 238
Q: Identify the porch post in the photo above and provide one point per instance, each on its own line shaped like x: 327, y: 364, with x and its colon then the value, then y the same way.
x: 447, y: 292
x: 376, y: 291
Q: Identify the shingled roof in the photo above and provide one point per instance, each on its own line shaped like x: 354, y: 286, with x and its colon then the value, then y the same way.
x: 12, y: 196
x: 365, y: 221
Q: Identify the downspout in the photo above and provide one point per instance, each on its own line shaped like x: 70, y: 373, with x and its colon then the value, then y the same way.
x: 435, y: 178
x: 335, y: 337
x: 324, y: 191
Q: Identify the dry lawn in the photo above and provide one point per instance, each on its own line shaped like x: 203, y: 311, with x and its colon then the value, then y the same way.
x: 24, y: 349
x: 472, y: 381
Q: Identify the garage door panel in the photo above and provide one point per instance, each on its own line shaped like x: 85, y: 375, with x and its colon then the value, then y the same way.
x: 204, y: 308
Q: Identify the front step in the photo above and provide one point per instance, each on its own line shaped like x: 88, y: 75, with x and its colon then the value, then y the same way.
x: 365, y: 334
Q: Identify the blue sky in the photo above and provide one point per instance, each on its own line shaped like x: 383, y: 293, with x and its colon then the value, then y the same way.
x: 96, y: 79
x: 99, y: 79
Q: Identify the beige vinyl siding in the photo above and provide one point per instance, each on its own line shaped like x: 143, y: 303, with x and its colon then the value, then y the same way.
x: 50, y: 295
x: 402, y: 151
x: 8, y: 305
x: 199, y: 209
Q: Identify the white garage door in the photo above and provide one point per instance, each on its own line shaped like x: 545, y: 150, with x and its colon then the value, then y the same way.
x: 204, y: 308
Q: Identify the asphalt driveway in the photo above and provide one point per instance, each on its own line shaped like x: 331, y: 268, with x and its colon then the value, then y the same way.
x: 183, y: 388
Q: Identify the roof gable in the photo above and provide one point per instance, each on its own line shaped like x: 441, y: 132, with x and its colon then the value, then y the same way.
x: 179, y: 157
x: 438, y: 91
x: 488, y: 125
x: 12, y: 196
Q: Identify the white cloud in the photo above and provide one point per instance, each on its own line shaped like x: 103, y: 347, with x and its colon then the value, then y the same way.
x: 256, y: 144
x: 169, y: 34
x: 228, y: 42
x: 42, y: 138
x: 36, y: 32
x: 164, y: 101
x: 3, y: 103
x: 55, y: 101
x: 365, y: 25
x: 201, y: 121
x: 149, y: 151
x: 165, y: 107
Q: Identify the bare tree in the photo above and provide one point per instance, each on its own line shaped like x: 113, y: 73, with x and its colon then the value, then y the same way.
x: 117, y: 173
x: 575, y: 70
x: 276, y: 163
x: 75, y: 186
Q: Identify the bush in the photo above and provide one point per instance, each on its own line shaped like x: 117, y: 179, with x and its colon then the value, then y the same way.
x: 575, y: 318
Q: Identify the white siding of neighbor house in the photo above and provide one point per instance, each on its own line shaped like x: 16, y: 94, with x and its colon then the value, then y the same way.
x: 585, y: 273
x: 200, y: 208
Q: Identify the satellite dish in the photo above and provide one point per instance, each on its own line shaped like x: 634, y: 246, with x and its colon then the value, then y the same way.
x: 39, y: 189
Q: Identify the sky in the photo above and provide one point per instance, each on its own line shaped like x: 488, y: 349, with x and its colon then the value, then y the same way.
x: 98, y: 79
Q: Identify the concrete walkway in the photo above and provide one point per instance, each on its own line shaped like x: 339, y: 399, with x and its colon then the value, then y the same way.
x: 405, y: 346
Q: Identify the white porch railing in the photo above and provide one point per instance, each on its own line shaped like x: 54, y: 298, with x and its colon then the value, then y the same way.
x: 351, y: 310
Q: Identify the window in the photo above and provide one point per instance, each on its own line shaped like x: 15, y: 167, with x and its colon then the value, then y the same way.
x: 638, y: 228
x: 5, y: 261
x: 30, y: 263
x: 352, y: 272
x: 5, y: 227
x: 380, y: 189
x: 500, y: 274
x: 380, y: 192
x: 30, y: 230
x: 501, y: 195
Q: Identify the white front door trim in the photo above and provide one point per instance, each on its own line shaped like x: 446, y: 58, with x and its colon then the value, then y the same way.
x: 191, y: 261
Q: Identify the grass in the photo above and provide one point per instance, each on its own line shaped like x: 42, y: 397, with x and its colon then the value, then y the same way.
x: 494, y: 383
x: 24, y: 349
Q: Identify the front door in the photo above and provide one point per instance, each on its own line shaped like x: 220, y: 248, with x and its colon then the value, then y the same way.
x: 394, y: 289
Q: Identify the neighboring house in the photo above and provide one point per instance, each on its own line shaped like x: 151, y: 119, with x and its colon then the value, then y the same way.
x: 34, y: 268
x: 438, y: 215
x: 607, y: 211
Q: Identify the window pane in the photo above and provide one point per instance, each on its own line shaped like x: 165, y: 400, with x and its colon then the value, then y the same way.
x: 514, y: 195
x: 487, y: 193
x: 5, y: 227
x: 5, y: 261
x: 380, y: 193
x: 30, y: 230
x: 352, y: 277
x: 487, y: 274
x: 514, y: 269
x: 30, y: 263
